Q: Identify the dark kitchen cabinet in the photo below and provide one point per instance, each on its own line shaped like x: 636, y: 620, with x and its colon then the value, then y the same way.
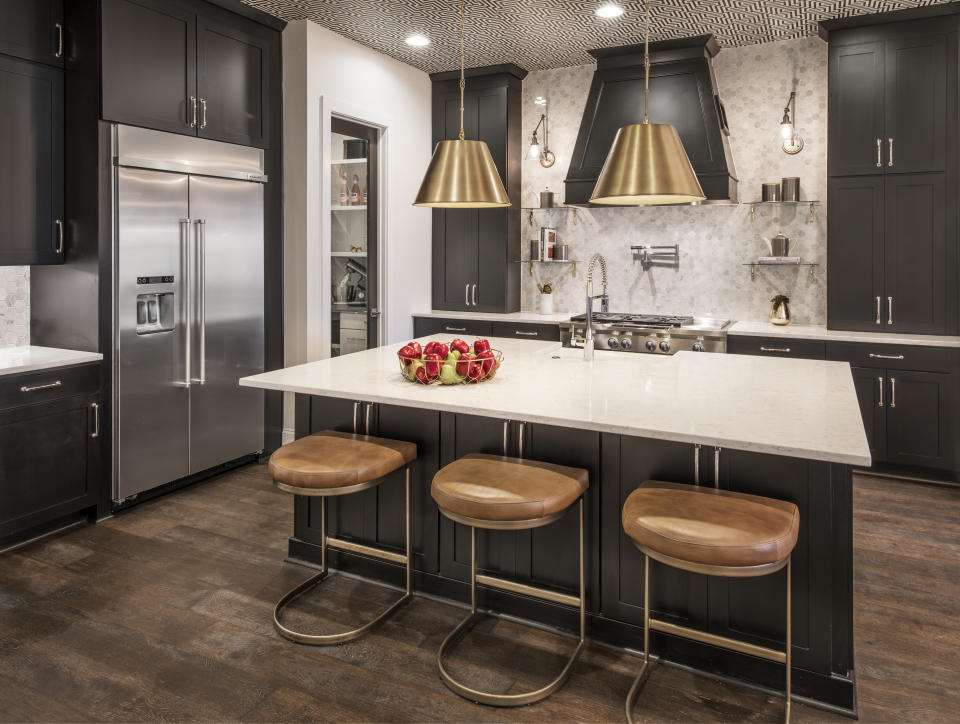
x: 888, y: 254
x: 888, y: 103
x: 871, y: 387
x: 474, y: 250
x: 542, y: 332
x: 776, y: 347
x: 31, y: 146
x: 33, y: 30
x: 187, y: 68
x: 427, y: 326
x: 49, y: 429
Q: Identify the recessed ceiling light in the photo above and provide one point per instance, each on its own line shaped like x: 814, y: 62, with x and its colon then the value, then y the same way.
x: 417, y: 40
x: 609, y: 10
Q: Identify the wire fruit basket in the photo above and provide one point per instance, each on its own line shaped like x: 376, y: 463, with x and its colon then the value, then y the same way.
x: 461, y: 371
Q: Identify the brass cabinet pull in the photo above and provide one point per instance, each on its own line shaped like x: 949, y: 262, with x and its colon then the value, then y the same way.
x: 456, y: 329
x: 506, y: 432
x: 520, y: 429
x: 366, y: 419
x: 466, y: 294
x: 880, y: 380
x: 96, y: 420
x: 193, y: 121
x: 474, y: 295
x: 785, y: 350
x: 890, y: 160
x: 526, y: 334
x: 696, y: 464
x: 879, y: 146
x: 878, y: 310
x: 203, y: 113
x: 59, y: 53
x: 47, y: 386
x: 716, y: 467
x: 889, y: 310
x: 885, y: 356
x: 893, y: 392
x: 356, y: 417
x: 59, y: 225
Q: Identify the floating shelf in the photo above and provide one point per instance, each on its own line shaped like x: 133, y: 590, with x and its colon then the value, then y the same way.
x: 754, y: 264
x: 810, y: 204
x: 348, y: 208
x: 531, y: 209
x: 348, y: 161
x: 352, y: 254
x: 531, y: 262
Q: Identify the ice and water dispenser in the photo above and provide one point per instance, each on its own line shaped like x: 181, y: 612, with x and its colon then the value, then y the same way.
x: 155, y: 310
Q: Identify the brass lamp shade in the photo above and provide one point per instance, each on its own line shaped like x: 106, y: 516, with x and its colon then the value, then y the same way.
x: 647, y: 166
x: 462, y: 175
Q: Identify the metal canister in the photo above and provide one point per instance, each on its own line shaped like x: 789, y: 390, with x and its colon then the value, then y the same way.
x: 546, y: 199
x: 780, y: 245
x: 770, y: 192
x: 561, y: 252
x: 790, y: 188
x: 534, y: 250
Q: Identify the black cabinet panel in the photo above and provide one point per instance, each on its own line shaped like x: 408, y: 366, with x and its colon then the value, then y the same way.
x: 915, y: 249
x: 31, y: 147
x: 232, y: 84
x: 895, y: 356
x: 915, y: 107
x: 545, y: 332
x: 920, y: 415
x: 855, y: 233
x: 148, y: 65
x: 33, y: 30
x: 871, y: 386
x: 856, y: 109
x: 776, y: 347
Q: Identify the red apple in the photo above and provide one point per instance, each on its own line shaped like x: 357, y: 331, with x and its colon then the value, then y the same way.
x: 428, y: 348
x: 460, y: 346
x: 408, y: 354
x: 441, y: 349
x: 465, y: 363
x: 488, y: 360
x: 421, y: 375
x: 418, y: 351
x: 432, y: 364
x: 480, y: 345
x: 475, y: 373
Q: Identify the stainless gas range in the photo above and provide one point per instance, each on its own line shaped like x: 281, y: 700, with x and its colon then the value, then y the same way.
x: 648, y: 333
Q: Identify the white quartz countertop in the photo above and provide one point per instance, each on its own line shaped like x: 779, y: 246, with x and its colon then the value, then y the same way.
x: 791, y: 407
x: 14, y: 360
x: 815, y: 331
x: 529, y: 317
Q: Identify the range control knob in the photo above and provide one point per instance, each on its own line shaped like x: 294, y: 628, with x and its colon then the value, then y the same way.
x: 698, y: 346
x: 665, y: 346
x: 613, y: 343
x: 651, y: 345
x: 625, y: 344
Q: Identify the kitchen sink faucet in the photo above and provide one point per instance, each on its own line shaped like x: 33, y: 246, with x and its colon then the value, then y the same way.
x: 604, y: 303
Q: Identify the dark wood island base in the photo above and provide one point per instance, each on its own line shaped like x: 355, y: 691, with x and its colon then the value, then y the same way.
x: 747, y: 609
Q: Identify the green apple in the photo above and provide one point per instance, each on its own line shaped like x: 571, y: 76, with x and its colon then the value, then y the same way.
x: 453, y: 356
x: 449, y: 376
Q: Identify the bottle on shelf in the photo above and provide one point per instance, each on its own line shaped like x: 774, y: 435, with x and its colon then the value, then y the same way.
x: 355, y: 191
x: 364, y: 192
x: 344, y: 200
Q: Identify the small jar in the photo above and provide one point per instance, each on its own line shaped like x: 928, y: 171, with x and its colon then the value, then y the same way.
x: 546, y: 304
x: 780, y: 314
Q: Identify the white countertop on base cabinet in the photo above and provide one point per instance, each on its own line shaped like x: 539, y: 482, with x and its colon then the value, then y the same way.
x: 818, y: 332
x: 14, y: 360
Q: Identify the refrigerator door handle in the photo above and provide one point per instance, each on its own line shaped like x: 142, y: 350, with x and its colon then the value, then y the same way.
x: 202, y: 301
x: 186, y: 303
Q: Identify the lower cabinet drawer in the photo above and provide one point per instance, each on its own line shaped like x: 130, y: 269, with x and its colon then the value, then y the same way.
x: 33, y: 387
x: 776, y: 347
x: 894, y: 356
x: 425, y: 326
x: 548, y: 332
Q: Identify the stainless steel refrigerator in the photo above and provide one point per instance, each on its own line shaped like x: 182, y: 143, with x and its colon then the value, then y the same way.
x: 188, y: 306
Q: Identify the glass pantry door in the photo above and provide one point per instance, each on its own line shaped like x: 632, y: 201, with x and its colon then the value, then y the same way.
x: 353, y: 237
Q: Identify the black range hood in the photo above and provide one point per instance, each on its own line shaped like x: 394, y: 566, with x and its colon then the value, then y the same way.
x: 683, y: 93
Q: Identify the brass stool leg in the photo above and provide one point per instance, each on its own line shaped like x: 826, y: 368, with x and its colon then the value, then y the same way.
x: 789, y: 638
x: 483, y: 697
x: 327, y: 639
x: 645, y: 669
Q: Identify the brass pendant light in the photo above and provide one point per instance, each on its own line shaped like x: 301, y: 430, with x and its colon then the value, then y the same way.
x: 462, y: 174
x: 647, y: 164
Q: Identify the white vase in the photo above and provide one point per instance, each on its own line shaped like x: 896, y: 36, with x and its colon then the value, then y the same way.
x: 546, y: 304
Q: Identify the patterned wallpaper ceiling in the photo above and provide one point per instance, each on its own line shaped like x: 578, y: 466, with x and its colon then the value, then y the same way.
x: 538, y: 34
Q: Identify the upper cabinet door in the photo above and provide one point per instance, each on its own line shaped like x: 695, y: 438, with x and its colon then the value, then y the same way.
x: 857, y: 143
x: 149, y: 65
x: 915, y: 107
x: 232, y: 77
x: 916, y: 263
x: 31, y: 147
x: 33, y: 30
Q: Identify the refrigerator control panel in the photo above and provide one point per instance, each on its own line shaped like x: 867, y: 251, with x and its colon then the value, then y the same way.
x: 155, y: 313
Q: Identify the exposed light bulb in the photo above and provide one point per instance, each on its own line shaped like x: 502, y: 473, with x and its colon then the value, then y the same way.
x: 609, y: 10
x: 417, y: 40
x: 534, y: 149
x: 786, y: 131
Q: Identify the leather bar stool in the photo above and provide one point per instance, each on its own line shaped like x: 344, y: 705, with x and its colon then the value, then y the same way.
x: 331, y: 463
x: 501, y: 493
x: 717, y: 533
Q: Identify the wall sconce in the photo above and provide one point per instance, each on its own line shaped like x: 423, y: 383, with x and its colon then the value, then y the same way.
x: 792, y: 143
x: 543, y: 153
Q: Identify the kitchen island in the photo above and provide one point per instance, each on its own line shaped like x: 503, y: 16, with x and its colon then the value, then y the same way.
x: 785, y: 428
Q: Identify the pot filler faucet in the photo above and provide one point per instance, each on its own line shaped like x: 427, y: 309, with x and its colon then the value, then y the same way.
x: 604, y: 303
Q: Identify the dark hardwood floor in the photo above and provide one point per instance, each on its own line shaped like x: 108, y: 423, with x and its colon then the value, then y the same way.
x: 164, y: 613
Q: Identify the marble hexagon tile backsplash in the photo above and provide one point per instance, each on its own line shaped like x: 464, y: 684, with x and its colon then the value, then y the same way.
x: 715, y: 241
x: 14, y: 306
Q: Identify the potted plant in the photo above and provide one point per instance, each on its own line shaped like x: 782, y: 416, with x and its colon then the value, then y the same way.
x: 546, y: 297
x: 780, y: 309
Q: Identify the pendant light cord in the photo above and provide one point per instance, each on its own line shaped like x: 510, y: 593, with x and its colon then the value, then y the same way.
x: 463, y: 83
x: 646, y: 61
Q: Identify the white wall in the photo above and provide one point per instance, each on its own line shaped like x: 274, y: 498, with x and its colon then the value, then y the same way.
x: 326, y: 73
